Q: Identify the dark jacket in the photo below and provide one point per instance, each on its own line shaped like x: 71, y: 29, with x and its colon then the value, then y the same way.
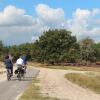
x: 8, y: 63
x: 24, y: 59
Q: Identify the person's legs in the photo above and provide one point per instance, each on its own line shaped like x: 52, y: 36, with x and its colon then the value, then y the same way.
x: 12, y: 71
x: 8, y: 71
x: 25, y: 68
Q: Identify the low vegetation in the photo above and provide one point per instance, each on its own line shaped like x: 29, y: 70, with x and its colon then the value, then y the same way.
x: 33, y: 93
x: 54, y: 47
x: 82, y: 68
x: 89, y: 80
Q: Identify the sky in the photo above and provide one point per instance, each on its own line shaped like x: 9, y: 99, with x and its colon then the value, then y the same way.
x: 24, y: 21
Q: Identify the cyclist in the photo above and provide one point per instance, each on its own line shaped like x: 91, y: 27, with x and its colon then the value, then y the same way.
x: 19, y: 62
x: 24, y: 61
x: 20, y: 67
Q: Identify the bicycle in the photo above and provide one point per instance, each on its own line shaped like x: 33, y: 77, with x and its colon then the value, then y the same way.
x: 20, y: 72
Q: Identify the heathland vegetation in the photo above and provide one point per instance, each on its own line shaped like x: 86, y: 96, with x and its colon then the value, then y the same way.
x: 56, y: 47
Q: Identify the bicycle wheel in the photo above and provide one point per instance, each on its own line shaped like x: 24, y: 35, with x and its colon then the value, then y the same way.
x: 19, y: 76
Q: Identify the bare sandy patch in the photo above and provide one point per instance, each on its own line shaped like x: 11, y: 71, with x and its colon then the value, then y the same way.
x: 53, y: 84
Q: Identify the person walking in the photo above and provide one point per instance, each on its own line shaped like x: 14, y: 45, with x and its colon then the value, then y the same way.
x: 9, y: 65
x: 11, y: 58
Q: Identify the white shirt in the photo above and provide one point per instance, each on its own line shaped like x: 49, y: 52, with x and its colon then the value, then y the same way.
x: 19, y: 61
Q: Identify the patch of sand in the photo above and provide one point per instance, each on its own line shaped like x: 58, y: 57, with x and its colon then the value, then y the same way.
x: 53, y: 84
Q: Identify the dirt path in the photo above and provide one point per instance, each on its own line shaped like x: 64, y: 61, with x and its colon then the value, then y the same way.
x: 53, y: 84
x: 4, y: 75
x: 9, y: 90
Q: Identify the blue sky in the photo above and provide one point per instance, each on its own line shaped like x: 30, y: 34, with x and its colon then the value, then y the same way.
x: 68, y: 5
x: 24, y: 18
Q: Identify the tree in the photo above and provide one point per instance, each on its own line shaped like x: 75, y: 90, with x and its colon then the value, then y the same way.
x: 87, y: 50
x: 96, y: 47
x: 54, y: 46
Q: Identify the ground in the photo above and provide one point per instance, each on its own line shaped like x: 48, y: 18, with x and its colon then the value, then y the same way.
x: 11, y: 90
x: 53, y: 84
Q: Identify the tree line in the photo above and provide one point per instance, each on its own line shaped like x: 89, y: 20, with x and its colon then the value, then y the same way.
x: 54, y: 47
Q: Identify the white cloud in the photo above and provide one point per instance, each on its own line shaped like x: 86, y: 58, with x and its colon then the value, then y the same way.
x: 18, y: 27
x: 12, y: 16
x: 95, y: 11
x: 84, y: 23
x: 81, y: 14
x: 50, y: 15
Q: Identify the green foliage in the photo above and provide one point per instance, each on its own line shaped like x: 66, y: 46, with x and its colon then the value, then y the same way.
x: 17, y: 51
x: 96, y: 47
x: 55, y: 46
x: 87, y: 50
x: 3, y: 50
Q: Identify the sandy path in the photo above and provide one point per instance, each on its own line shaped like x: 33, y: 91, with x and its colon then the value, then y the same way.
x: 53, y: 84
x: 3, y: 76
x: 10, y: 90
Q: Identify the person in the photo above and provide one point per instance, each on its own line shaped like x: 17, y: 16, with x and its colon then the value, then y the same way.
x: 19, y: 62
x: 24, y: 61
x: 9, y: 65
x: 11, y: 58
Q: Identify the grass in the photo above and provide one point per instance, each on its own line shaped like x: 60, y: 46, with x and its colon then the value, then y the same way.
x: 81, y: 68
x: 1, y: 64
x: 88, y: 80
x: 33, y: 93
x: 91, y: 80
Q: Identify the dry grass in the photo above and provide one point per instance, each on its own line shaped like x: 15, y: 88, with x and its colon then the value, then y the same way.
x: 1, y: 64
x: 82, y: 68
x: 33, y: 93
x: 90, y: 80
